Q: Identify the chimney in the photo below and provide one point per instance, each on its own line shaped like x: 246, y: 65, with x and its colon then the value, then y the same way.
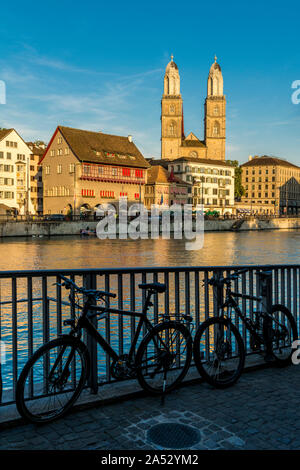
x: 250, y: 158
x: 130, y: 138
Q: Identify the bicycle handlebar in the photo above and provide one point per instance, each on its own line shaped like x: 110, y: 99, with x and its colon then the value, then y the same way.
x: 223, y: 280
x: 68, y: 283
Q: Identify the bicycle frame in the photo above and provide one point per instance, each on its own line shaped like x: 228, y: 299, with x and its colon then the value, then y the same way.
x: 231, y: 303
x: 84, y: 323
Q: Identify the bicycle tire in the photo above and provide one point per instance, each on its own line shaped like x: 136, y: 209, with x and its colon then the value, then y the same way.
x: 22, y: 402
x: 143, y: 378
x: 276, y: 308
x: 197, y: 352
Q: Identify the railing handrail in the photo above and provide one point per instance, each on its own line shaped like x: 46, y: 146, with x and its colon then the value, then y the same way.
x: 140, y: 269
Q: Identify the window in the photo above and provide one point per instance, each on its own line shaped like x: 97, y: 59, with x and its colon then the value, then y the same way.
x: 216, y: 129
x: 59, y: 140
x: 1, y: 154
x: 52, y: 153
x: 72, y: 168
x: 8, y: 156
x: 59, y: 169
x: 48, y: 170
x: 67, y: 151
x: 59, y: 152
x: 172, y: 128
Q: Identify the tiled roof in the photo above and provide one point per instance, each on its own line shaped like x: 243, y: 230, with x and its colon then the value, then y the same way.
x: 207, y: 161
x: 4, y: 133
x: 96, y: 147
x: 158, y: 174
x: 193, y: 143
x: 35, y: 150
x: 273, y: 161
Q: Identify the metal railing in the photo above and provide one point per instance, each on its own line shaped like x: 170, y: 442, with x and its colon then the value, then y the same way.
x: 32, y: 308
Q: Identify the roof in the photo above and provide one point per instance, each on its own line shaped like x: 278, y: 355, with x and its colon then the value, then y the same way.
x: 193, y: 143
x: 35, y: 149
x: 266, y: 160
x: 4, y: 133
x: 158, y: 174
x: 208, y: 161
x: 96, y: 147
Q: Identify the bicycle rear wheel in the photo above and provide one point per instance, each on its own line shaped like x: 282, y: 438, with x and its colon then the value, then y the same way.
x: 219, y: 352
x: 164, y: 357
x: 52, y: 380
x: 280, y: 329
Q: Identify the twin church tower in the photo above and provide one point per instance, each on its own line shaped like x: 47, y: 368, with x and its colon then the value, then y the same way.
x: 174, y: 144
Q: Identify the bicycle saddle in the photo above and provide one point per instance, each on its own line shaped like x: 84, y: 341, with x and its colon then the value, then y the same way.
x: 156, y: 286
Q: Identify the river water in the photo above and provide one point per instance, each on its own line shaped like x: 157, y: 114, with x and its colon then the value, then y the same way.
x: 220, y: 248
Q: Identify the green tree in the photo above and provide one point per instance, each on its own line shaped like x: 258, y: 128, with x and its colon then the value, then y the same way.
x: 239, y: 189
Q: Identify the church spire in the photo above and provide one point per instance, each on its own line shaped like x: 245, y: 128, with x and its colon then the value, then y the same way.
x: 172, y: 79
x: 215, y: 80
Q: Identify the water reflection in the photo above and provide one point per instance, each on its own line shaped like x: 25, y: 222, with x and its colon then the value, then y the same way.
x: 265, y: 247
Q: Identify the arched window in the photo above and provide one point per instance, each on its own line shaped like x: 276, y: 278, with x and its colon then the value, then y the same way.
x: 216, y: 128
x: 172, y: 128
x: 216, y: 110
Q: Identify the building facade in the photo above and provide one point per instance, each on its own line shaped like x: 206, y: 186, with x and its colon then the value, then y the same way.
x: 164, y: 189
x: 174, y: 144
x: 36, y: 181
x: 14, y: 173
x: 272, y: 185
x: 212, y: 182
x: 82, y: 169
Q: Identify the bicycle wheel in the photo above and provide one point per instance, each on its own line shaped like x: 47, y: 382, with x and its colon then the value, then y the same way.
x: 52, y: 380
x: 164, y: 357
x: 280, y: 330
x: 219, y: 352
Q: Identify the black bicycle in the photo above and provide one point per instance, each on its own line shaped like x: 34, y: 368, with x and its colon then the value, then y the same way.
x: 60, y: 368
x: 218, y: 348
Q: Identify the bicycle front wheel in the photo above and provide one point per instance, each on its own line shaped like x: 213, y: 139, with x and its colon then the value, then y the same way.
x: 52, y: 380
x: 219, y: 352
x: 164, y: 357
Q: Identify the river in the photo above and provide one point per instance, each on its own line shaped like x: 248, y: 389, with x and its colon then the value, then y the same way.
x: 220, y: 248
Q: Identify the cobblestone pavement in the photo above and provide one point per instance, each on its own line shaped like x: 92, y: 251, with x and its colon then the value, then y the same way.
x: 260, y: 412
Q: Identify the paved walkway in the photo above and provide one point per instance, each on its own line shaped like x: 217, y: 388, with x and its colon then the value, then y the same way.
x: 260, y: 412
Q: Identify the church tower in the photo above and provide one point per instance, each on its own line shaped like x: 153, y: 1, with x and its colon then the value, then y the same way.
x: 171, y: 113
x: 215, y: 114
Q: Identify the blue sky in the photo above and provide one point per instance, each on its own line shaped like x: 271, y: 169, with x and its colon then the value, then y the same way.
x: 100, y: 66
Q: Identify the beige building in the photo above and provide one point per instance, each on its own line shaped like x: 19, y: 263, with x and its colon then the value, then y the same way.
x: 212, y: 182
x: 36, y: 181
x: 272, y: 185
x: 14, y: 172
x: 82, y: 169
x: 163, y: 188
x: 174, y: 144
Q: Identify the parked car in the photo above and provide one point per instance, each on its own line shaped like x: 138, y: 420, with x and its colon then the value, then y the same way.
x: 55, y: 217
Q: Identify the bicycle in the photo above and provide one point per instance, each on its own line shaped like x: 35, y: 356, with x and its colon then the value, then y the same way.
x: 61, y: 367
x: 218, y: 348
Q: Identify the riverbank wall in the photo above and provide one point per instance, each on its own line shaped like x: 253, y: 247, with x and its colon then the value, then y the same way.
x: 51, y: 228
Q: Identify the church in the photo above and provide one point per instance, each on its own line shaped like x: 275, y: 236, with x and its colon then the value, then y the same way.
x: 174, y: 144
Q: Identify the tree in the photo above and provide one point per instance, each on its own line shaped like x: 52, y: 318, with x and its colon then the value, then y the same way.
x: 239, y: 190
x: 39, y: 142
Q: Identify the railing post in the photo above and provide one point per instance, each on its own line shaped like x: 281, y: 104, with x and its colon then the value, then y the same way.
x: 264, y: 279
x: 89, y: 282
x: 217, y: 294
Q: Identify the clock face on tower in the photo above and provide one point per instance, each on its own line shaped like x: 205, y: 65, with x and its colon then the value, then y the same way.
x: 193, y: 154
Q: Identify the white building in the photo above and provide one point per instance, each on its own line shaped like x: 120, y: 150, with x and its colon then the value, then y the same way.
x: 14, y: 172
x: 212, y: 180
